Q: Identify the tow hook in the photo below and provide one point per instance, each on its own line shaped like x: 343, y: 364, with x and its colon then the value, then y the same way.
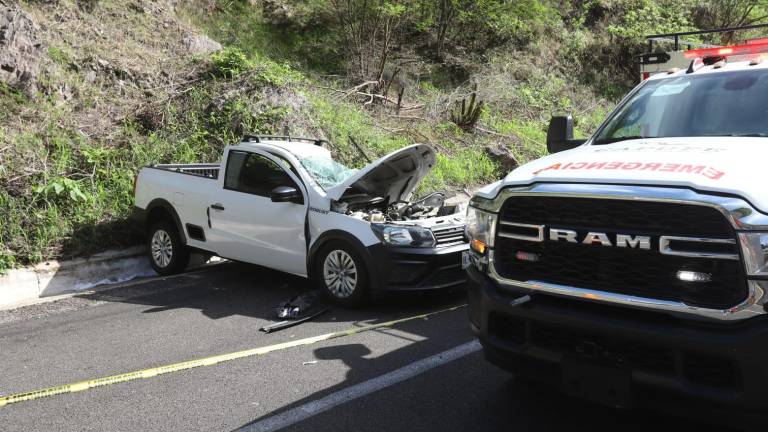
x: 521, y: 300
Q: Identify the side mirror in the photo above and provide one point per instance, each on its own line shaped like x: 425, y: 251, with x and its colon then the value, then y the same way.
x: 286, y: 194
x: 560, y: 134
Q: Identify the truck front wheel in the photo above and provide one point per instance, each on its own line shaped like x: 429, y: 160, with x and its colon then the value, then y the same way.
x: 342, y: 274
x: 167, y: 254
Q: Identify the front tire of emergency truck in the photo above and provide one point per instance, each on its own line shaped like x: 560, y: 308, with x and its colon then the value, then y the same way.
x: 168, y: 255
x: 342, y: 274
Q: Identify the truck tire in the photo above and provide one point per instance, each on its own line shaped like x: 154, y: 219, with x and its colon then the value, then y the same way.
x: 167, y: 254
x: 341, y: 272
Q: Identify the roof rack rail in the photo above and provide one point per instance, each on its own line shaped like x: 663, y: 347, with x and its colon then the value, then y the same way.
x: 259, y: 138
x: 675, y: 37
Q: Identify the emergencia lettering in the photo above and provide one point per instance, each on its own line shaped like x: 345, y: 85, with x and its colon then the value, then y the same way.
x: 703, y: 170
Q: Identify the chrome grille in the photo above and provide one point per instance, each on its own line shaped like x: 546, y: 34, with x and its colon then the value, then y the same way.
x: 648, y: 273
x: 449, y: 236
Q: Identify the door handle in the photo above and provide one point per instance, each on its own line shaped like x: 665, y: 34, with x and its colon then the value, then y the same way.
x: 217, y: 206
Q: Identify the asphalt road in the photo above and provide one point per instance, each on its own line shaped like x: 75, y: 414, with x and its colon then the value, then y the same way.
x: 398, y: 378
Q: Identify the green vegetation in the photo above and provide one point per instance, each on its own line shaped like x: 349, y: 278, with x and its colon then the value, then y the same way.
x: 380, y: 74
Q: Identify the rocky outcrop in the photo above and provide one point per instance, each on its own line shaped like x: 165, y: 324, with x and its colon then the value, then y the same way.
x: 200, y: 44
x: 502, y: 156
x: 20, y: 48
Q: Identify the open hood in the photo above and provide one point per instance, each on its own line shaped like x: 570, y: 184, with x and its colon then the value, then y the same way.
x: 729, y: 165
x: 393, y: 177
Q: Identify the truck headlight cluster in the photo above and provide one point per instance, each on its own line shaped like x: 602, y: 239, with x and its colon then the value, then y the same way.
x: 409, y: 236
x: 481, y: 226
x: 754, y: 246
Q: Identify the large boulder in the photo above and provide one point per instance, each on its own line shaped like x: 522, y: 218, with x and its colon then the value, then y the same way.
x: 503, y: 156
x: 200, y: 44
x: 20, y: 48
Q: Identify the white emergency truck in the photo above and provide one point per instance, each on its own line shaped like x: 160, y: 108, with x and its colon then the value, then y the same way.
x: 632, y: 268
x: 286, y: 204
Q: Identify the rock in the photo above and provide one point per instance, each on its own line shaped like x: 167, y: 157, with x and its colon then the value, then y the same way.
x: 504, y: 157
x: 201, y: 44
x: 20, y: 48
x: 278, y: 12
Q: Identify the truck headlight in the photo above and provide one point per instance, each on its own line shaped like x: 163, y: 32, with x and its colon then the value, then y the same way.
x: 481, y: 226
x: 398, y: 235
x: 754, y: 246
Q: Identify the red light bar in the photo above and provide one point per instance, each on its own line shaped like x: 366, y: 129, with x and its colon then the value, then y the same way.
x: 752, y: 48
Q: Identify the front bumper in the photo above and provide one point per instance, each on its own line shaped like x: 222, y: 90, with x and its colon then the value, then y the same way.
x: 412, y: 269
x: 721, y: 366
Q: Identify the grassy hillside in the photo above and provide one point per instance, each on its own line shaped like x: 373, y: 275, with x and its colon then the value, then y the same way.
x: 120, y: 87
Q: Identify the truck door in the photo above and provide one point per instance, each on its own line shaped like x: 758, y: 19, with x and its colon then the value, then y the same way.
x: 246, y: 225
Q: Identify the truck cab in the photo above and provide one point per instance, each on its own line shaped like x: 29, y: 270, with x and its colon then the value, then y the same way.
x: 631, y: 268
x: 286, y: 204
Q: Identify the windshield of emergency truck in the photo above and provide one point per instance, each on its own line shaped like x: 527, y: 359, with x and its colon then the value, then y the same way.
x: 710, y: 104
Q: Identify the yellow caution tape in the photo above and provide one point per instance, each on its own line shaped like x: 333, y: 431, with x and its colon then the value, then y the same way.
x: 206, y: 361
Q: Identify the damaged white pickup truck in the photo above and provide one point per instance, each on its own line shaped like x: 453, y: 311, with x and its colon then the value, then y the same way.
x: 284, y: 203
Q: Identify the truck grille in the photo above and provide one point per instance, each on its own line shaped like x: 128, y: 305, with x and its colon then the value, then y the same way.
x: 449, y: 236
x: 631, y: 271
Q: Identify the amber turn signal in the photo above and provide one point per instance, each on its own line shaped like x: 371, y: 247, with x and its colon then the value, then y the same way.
x: 478, y: 246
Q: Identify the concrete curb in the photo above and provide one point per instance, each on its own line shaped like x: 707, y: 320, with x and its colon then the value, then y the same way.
x: 59, y: 277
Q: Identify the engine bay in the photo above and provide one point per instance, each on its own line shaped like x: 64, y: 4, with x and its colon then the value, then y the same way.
x: 376, y: 210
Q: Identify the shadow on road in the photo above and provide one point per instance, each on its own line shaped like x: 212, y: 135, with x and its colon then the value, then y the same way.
x: 241, y: 289
x: 467, y: 394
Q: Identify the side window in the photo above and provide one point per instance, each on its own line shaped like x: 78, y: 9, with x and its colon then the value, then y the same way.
x: 255, y: 174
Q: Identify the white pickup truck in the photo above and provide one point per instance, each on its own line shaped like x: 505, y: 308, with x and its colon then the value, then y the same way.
x: 284, y: 203
x: 633, y: 268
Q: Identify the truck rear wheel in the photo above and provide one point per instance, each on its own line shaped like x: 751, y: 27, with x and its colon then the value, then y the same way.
x: 342, y: 274
x: 167, y: 254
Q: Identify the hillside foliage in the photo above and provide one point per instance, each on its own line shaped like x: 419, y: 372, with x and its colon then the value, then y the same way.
x: 120, y: 87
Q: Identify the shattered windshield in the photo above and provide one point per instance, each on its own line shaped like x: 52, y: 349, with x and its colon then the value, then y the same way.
x: 324, y: 170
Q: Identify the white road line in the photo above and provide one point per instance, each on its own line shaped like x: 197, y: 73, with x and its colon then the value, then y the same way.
x: 356, y: 391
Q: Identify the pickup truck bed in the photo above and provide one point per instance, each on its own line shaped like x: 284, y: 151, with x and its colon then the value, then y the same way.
x: 208, y: 170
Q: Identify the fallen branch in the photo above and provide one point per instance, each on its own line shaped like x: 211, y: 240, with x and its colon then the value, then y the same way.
x: 490, y: 132
x: 407, y: 117
x: 412, y: 107
x: 356, y: 89
x: 359, y: 149
x: 373, y: 96
x: 510, y: 137
x: 392, y: 131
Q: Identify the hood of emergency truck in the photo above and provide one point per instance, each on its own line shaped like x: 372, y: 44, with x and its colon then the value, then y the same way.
x: 733, y: 165
x: 393, y: 177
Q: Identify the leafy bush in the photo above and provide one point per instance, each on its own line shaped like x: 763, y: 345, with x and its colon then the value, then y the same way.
x: 639, y: 18
x: 230, y: 62
x: 62, y: 187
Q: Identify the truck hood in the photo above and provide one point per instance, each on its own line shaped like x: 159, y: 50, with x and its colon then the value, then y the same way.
x: 393, y: 177
x: 733, y: 165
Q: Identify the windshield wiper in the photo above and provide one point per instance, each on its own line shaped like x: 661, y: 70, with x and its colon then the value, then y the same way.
x: 617, y: 139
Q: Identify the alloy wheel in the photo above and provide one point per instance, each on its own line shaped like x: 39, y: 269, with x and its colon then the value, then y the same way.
x: 161, y: 248
x: 340, y: 273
